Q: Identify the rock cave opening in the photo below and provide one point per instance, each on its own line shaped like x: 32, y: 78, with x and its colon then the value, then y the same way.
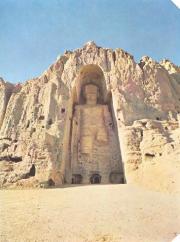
x: 10, y: 158
x: 51, y: 183
x: 150, y: 155
x: 95, y: 179
x: 77, y: 179
x: 31, y: 173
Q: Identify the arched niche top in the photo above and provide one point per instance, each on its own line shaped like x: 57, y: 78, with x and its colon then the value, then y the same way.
x: 90, y: 74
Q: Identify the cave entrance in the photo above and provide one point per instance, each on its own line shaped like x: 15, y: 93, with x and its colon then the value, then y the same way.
x: 95, y: 179
x: 76, y: 179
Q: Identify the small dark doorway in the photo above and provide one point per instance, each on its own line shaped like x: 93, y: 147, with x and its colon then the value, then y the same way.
x: 95, y: 179
x: 76, y: 179
x: 51, y: 183
x: 32, y: 171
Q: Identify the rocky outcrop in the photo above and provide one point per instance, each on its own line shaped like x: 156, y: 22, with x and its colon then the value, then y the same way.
x: 6, y: 90
x: 35, y: 117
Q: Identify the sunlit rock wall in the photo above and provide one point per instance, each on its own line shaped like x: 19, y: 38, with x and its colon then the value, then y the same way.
x: 35, y: 117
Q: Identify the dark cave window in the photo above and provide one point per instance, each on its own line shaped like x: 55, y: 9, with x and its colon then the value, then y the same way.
x: 41, y: 117
x: 51, y: 183
x: 150, y: 155
x: 95, y: 179
x: 32, y: 171
x: 63, y: 110
x: 28, y: 123
x: 50, y: 121
x: 77, y: 179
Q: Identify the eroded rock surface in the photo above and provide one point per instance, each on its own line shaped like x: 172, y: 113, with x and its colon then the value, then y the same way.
x: 143, y: 99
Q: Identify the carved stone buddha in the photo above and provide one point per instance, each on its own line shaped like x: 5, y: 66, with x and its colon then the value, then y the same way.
x: 92, y: 137
x: 90, y: 121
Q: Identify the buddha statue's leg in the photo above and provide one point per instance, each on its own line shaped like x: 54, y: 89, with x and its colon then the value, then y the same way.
x: 74, y: 141
x: 75, y: 136
x: 102, y: 132
x: 86, y: 144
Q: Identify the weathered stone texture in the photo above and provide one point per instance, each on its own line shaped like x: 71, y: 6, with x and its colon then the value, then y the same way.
x: 36, y: 116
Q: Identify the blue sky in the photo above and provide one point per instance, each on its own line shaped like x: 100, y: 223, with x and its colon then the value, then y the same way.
x: 34, y: 32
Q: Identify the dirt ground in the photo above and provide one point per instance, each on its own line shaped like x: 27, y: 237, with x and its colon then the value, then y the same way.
x: 94, y: 213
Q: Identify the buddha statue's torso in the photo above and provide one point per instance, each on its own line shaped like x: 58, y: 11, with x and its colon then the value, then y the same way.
x: 92, y: 126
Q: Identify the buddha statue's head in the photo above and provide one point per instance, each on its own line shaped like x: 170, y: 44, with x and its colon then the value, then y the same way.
x: 91, y: 94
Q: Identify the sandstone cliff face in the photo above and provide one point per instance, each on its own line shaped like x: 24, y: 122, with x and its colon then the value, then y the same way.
x: 35, y: 117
